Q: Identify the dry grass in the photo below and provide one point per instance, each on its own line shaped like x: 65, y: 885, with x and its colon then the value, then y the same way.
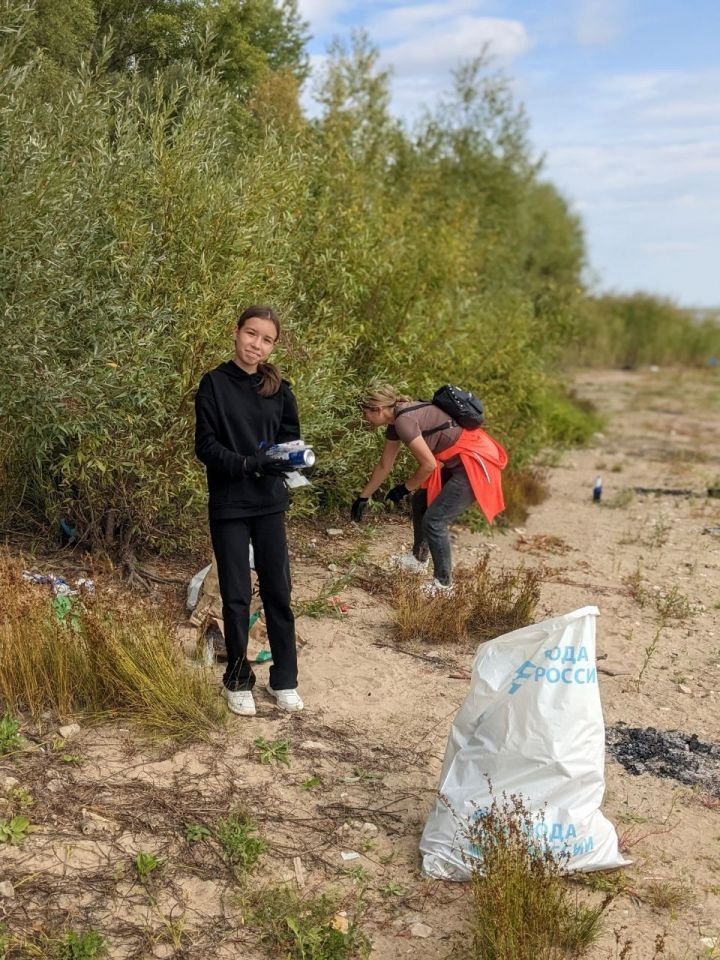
x: 483, y: 605
x: 523, y: 906
x: 668, y: 895
x: 523, y: 489
x: 542, y: 543
x: 100, y: 660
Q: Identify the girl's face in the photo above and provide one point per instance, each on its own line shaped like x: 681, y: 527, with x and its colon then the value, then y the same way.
x: 254, y: 342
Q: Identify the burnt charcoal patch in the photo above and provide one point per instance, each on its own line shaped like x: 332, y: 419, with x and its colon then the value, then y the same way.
x: 670, y: 754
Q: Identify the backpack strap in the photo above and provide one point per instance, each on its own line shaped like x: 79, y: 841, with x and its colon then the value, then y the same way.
x: 418, y: 406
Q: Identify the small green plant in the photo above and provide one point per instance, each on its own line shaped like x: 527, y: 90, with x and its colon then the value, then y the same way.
x: 273, y: 751
x: 194, y: 832
x: 312, y: 783
x: 357, y: 873
x: 10, y: 740
x: 89, y: 945
x: 392, y: 889
x: 15, y: 830
x: 659, y: 533
x: 649, y: 653
x: 21, y: 797
x: 145, y: 864
x: 636, y: 588
x: 305, y: 929
x: 237, y: 835
x: 523, y: 906
x: 667, y: 895
x: 324, y: 603
x: 674, y: 605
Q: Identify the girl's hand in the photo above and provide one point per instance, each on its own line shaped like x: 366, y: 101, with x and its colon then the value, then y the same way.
x: 264, y: 466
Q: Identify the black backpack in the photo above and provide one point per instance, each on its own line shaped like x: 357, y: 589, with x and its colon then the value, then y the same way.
x: 464, y: 407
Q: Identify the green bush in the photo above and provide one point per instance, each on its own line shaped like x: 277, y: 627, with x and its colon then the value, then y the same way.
x: 140, y: 216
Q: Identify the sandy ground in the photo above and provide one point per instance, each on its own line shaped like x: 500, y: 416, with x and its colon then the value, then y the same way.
x: 366, y: 753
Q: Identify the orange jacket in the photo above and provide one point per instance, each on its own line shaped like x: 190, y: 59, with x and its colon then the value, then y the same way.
x: 483, y: 459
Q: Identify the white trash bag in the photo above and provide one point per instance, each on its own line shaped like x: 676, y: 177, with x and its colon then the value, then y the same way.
x: 532, y: 726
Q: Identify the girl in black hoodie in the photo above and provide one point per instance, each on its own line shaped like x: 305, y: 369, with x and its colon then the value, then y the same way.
x: 243, y: 407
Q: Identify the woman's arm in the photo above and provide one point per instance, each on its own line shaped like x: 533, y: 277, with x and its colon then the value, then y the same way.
x: 426, y: 463
x: 208, y: 448
x: 382, y: 469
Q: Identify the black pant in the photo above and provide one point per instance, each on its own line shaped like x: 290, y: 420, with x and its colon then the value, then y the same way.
x: 430, y: 524
x: 231, y: 543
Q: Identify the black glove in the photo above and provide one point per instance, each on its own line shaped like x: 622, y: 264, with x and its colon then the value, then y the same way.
x: 397, y: 494
x: 359, y: 505
x: 263, y: 465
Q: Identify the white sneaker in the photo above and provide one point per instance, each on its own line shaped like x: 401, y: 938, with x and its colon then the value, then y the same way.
x: 241, y: 702
x: 286, y: 699
x: 410, y: 563
x: 437, y: 589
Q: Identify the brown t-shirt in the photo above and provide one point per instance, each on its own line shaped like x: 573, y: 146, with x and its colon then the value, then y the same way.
x: 413, y: 424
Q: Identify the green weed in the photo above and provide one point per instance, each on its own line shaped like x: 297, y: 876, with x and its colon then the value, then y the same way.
x: 666, y: 895
x: 15, y: 830
x: 305, y: 929
x: 195, y: 832
x: 391, y: 889
x: 312, y: 783
x: 10, y: 740
x: 322, y: 604
x: 674, y: 605
x: 649, y: 653
x: 237, y: 835
x: 145, y: 864
x: 273, y: 751
x: 89, y: 945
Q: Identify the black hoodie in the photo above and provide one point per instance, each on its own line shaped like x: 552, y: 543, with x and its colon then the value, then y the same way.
x: 232, y: 421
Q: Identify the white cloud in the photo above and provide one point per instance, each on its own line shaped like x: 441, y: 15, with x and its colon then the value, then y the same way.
x: 442, y: 47
x: 598, y: 22
x: 404, y: 20
x: 325, y: 15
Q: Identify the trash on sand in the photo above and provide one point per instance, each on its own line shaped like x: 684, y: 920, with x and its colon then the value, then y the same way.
x: 349, y: 855
x: 60, y: 586
x: 597, y: 490
x: 530, y: 693
x: 713, y: 531
x: 337, y: 603
x: 262, y: 656
x: 193, y: 590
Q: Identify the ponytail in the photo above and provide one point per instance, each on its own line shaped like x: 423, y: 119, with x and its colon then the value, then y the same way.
x: 270, y: 382
x: 378, y: 395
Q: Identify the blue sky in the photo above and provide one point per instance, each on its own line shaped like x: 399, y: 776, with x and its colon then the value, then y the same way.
x: 623, y: 98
